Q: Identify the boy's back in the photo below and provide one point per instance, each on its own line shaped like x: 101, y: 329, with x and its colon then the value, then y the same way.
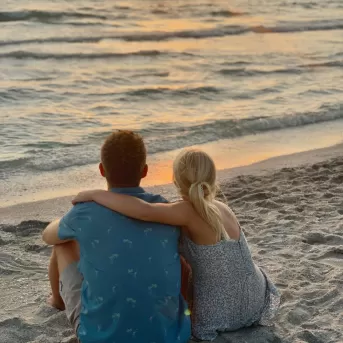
x: 131, y: 270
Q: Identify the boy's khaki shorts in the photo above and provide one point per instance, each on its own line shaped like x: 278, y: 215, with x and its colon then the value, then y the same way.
x: 70, y: 290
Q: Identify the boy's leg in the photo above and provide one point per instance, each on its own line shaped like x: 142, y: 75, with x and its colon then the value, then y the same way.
x: 54, y: 278
x: 62, y: 256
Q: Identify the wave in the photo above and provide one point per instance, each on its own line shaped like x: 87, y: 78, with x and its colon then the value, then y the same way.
x: 254, y: 72
x: 153, y: 74
x: 190, y: 34
x: 174, y: 92
x: 139, y: 37
x: 81, y: 39
x: 13, y: 163
x: 49, y: 145
x: 293, y: 70
x: 137, y: 94
x: 300, y: 27
x: 87, y: 56
x: 161, y: 137
x: 45, y: 15
x: 225, y: 13
x: 165, y: 138
x: 324, y: 64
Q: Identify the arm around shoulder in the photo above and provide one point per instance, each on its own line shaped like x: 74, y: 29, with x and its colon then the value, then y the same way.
x: 177, y: 213
x: 171, y: 213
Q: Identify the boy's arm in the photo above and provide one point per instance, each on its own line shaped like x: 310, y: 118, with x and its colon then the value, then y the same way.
x: 50, y: 234
x: 65, y: 229
x: 177, y: 214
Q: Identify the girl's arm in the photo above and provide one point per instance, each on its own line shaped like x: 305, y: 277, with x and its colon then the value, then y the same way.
x: 178, y: 213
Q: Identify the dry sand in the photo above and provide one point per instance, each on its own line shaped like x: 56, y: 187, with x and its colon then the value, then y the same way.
x: 293, y: 219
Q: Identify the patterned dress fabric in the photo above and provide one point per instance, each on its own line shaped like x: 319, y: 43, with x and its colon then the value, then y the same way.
x: 229, y: 291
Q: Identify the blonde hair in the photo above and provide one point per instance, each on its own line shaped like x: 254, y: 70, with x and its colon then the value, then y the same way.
x: 195, y: 178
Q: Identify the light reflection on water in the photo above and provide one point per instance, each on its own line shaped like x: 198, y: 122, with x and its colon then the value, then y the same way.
x: 182, y: 73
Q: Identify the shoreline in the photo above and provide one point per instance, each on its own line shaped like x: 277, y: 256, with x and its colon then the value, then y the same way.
x: 35, y: 185
x: 47, y: 210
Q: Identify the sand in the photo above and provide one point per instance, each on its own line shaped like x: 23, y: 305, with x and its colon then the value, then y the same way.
x: 293, y: 220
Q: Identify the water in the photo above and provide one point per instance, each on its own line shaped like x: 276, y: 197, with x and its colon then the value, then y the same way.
x: 181, y: 73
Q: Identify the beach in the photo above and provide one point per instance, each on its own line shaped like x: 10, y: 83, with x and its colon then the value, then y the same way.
x: 291, y: 211
x: 256, y: 85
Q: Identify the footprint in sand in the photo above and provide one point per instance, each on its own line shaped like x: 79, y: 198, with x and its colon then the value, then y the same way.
x: 314, y: 238
x: 337, y: 179
x: 299, y: 315
x: 13, y: 265
x: 333, y: 258
x: 38, y: 248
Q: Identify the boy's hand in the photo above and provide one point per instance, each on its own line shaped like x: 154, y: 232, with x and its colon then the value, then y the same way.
x: 84, y: 196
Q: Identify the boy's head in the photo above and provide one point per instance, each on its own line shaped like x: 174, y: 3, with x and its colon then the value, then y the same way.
x: 123, y: 159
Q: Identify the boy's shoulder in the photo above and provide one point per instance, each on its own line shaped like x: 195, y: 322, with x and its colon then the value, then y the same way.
x: 90, y: 209
x: 153, y: 198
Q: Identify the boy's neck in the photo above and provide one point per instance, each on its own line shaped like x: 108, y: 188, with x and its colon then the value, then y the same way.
x: 121, y: 186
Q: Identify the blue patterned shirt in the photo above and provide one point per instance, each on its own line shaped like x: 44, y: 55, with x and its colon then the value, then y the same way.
x: 132, y: 279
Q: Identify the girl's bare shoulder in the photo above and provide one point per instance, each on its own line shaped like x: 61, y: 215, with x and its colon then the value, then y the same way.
x: 224, y: 208
x: 185, y: 207
x: 230, y: 220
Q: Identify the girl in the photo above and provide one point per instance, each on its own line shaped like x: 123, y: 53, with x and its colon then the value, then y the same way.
x: 229, y: 291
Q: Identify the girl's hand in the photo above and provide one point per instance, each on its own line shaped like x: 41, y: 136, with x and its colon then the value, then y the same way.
x: 84, y: 196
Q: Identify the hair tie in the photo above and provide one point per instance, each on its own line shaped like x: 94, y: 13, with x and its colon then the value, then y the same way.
x: 201, y: 189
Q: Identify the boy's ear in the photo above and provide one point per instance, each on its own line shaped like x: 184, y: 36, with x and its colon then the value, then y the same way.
x: 145, y: 171
x: 102, y: 170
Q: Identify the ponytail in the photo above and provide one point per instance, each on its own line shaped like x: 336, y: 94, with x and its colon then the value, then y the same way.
x: 201, y: 195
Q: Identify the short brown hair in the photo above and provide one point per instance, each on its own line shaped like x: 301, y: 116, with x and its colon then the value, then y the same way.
x: 123, y: 156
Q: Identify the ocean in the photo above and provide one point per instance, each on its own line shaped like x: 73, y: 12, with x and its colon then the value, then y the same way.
x: 243, y: 79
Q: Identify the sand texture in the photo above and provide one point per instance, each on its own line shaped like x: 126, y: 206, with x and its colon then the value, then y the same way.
x: 293, y: 220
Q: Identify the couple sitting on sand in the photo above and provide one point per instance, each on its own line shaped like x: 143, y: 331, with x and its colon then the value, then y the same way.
x: 115, y: 266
